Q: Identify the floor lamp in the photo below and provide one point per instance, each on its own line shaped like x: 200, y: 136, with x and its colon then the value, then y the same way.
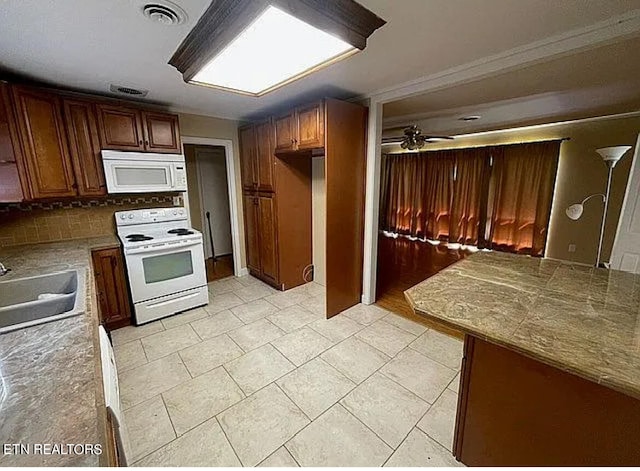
x: 611, y: 156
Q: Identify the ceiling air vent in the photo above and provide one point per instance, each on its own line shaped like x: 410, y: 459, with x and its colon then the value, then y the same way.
x: 164, y: 12
x: 120, y: 90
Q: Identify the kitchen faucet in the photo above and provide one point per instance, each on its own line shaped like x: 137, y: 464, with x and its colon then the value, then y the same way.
x: 3, y: 270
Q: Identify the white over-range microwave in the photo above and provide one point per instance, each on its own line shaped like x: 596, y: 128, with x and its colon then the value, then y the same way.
x: 138, y: 172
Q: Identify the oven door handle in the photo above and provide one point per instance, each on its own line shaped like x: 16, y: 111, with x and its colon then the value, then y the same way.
x: 162, y: 248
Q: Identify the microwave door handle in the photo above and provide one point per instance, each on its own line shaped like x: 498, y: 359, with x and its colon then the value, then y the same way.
x: 171, y: 170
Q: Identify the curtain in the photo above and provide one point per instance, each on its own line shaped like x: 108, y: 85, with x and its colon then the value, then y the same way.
x: 522, y: 182
x: 417, y: 194
x: 497, y: 197
x: 470, y: 187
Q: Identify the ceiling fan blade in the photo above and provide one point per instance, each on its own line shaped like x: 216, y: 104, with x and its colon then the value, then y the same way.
x: 389, y: 140
x: 440, y: 138
x: 394, y: 128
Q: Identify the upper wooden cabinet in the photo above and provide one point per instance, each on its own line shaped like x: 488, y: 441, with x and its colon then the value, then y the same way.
x: 248, y: 157
x: 310, y: 126
x: 161, y: 132
x: 51, y: 142
x: 257, y: 156
x: 120, y: 128
x: 125, y: 128
x: 284, y: 128
x: 44, y: 141
x: 301, y: 129
x: 264, y: 156
x: 13, y: 184
x: 84, y: 146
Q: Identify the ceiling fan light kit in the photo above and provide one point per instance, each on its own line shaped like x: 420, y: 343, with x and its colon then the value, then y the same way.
x: 413, y: 139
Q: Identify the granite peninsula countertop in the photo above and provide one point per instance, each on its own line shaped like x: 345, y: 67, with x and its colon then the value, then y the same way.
x: 50, y: 374
x: 582, y: 320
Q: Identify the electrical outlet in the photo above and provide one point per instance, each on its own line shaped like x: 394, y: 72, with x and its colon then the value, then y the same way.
x: 572, y: 248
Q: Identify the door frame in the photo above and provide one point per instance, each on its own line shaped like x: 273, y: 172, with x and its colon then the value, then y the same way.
x: 615, y: 258
x: 203, y: 218
x: 234, y: 213
x: 588, y: 36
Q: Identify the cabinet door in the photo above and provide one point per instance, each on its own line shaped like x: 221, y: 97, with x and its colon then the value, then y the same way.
x: 251, y: 225
x: 44, y: 142
x: 284, y: 133
x: 268, y: 237
x: 161, y: 133
x: 112, y: 289
x: 84, y: 147
x: 120, y: 127
x: 265, y: 157
x: 13, y: 183
x: 248, y: 156
x: 310, y: 122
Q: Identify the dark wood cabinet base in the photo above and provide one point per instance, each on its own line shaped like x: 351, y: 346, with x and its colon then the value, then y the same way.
x: 516, y: 411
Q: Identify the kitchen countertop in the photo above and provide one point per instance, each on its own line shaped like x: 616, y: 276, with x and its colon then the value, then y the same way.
x: 579, y: 319
x: 50, y: 374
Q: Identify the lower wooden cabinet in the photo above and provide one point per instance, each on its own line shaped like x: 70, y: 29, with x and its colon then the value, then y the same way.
x: 268, y: 237
x: 262, y: 241
x: 251, y: 225
x: 111, y: 288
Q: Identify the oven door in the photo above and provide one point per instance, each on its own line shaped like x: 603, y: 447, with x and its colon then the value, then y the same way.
x: 135, y: 176
x: 165, y: 269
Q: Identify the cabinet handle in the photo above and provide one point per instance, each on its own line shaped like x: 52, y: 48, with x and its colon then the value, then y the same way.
x: 146, y: 143
x: 140, y: 142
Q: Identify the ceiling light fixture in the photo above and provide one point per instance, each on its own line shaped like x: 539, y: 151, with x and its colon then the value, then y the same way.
x: 275, y: 49
x: 255, y: 46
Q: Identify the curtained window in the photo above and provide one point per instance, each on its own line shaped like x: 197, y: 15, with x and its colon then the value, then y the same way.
x: 469, y: 205
x: 497, y: 197
x: 417, y: 194
x: 522, y: 182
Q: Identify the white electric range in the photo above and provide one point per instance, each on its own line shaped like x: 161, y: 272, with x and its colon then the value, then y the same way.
x: 165, y: 262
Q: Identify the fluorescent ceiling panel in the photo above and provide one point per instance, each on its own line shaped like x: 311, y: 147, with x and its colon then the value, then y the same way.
x: 274, y: 49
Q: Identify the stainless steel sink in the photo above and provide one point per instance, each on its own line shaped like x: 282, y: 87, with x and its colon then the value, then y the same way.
x: 35, y: 300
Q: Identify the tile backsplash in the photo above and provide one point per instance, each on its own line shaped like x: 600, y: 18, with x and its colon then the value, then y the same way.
x: 30, y: 223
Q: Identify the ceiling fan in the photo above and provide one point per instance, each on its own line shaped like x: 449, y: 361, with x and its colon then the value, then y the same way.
x: 412, y: 138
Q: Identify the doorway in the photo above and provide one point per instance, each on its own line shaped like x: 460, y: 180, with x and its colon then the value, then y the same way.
x: 208, y: 188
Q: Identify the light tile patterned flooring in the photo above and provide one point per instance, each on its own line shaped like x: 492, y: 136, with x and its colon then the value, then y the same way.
x: 260, y: 377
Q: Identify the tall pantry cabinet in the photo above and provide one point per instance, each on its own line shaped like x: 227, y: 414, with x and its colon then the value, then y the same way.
x: 276, y: 161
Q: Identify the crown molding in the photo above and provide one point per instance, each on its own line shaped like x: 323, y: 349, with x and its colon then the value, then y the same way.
x: 611, y: 30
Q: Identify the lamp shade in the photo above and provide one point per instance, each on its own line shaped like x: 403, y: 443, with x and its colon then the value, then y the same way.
x: 611, y: 155
x: 575, y: 211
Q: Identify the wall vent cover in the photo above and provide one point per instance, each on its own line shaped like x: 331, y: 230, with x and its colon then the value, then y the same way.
x: 121, y: 90
x: 164, y: 12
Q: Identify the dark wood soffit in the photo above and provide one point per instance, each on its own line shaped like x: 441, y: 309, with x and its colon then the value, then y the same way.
x: 223, y: 20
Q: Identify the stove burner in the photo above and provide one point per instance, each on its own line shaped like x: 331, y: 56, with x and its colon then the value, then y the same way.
x: 180, y: 231
x: 138, y: 237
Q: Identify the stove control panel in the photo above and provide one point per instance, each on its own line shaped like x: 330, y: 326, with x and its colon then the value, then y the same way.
x: 143, y: 216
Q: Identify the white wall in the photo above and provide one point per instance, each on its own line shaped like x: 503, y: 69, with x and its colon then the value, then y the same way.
x: 319, y: 218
